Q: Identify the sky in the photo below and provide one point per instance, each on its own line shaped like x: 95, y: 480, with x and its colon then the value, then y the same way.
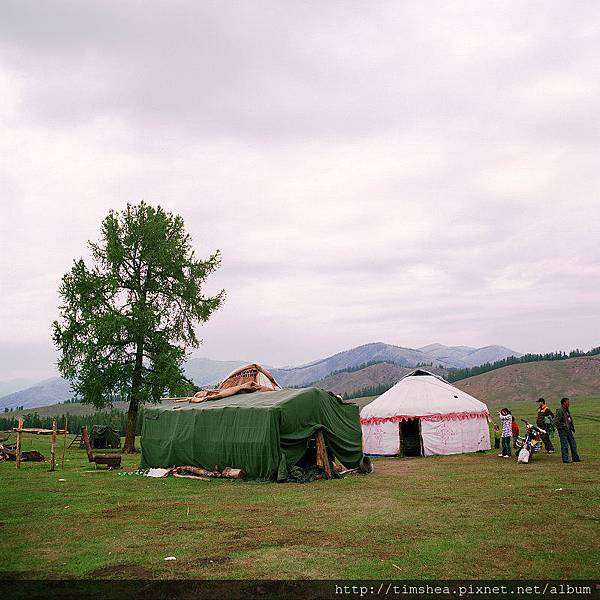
x: 406, y: 172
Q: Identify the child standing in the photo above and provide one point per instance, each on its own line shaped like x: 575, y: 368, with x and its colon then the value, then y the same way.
x: 506, y: 420
x: 515, y: 432
x: 496, y: 436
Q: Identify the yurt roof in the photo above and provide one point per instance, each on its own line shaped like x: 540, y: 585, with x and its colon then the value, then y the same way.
x: 245, y: 380
x: 253, y: 371
x: 423, y: 394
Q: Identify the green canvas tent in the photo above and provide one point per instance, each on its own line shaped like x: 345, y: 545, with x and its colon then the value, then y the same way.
x: 264, y: 433
x: 103, y: 436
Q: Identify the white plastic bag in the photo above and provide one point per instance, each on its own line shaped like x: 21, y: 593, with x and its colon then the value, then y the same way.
x: 523, y: 455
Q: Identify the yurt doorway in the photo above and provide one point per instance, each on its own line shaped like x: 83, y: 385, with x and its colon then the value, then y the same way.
x: 411, y: 443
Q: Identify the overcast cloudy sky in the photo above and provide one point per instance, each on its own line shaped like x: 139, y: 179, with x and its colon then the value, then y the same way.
x: 406, y: 172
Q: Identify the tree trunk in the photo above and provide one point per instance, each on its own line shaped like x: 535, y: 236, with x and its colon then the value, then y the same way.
x: 129, y: 446
x: 134, y: 402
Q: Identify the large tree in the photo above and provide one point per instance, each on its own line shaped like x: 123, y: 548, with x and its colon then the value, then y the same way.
x: 127, y: 320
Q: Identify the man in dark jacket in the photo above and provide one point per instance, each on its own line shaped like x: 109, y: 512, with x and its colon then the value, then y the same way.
x: 543, y: 412
x: 565, y: 427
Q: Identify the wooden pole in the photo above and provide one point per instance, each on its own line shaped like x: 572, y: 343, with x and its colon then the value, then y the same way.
x: 19, y: 435
x: 64, y: 442
x: 322, y: 456
x: 53, y: 450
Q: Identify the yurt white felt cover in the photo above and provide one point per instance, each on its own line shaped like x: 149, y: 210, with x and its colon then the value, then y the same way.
x: 452, y: 421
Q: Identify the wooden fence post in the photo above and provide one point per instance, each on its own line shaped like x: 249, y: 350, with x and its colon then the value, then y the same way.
x: 64, y: 442
x: 19, y: 435
x: 53, y: 450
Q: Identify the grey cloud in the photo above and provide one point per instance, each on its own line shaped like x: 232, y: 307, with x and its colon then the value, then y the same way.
x: 299, y: 70
x: 408, y: 172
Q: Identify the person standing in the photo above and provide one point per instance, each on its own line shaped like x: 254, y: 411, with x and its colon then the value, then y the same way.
x: 543, y: 412
x: 565, y: 427
x: 496, y: 437
x: 515, y: 432
x: 506, y: 420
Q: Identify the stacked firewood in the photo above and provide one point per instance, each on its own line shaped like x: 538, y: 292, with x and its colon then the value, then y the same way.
x: 10, y: 453
x: 198, y: 473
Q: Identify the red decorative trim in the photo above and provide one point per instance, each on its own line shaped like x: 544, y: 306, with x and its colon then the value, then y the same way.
x: 461, y: 416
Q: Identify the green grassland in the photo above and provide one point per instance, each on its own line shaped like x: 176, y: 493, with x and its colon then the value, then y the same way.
x: 463, y: 516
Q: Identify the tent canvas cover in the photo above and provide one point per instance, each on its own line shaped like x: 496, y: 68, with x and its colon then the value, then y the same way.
x: 103, y: 436
x: 446, y: 419
x: 262, y: 433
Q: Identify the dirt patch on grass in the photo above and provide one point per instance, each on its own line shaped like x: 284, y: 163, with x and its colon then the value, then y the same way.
x: 394, y: 466
x: 263, y: 537
x: 119, y: 511
x: 187, y: 527
x: 121, y: 571
x: 135, y: 508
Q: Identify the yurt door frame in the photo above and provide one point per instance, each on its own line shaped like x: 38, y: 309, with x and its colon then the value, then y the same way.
x: 409, y: 430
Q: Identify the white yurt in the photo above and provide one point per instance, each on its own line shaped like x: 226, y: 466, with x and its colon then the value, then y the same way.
x: 424, y: 415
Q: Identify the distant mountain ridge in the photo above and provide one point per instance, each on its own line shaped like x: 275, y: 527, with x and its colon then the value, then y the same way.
x: 551, y: 380
x: 15, y: 385
x: 49, y: 391
x: 378, y: 374
x: 376, y: 351
x: 206, y: 372
x: 460, y: 357
x: 445, y: 357
x: 573, y: 377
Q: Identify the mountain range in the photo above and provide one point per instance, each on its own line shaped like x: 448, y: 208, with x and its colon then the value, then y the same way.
x: 574, y: 377
x: 14, y: 385
x: 206, y: 372
x: 529, y: 381
x: 49, y: 391
x: 460, y: 357
x: 436, y: 355
x: 378, y: 374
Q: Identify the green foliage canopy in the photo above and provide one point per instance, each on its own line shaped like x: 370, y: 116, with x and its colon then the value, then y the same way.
x: 127, y: 320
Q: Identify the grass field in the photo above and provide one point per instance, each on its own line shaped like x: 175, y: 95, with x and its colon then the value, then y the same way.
x: 464, y: 516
